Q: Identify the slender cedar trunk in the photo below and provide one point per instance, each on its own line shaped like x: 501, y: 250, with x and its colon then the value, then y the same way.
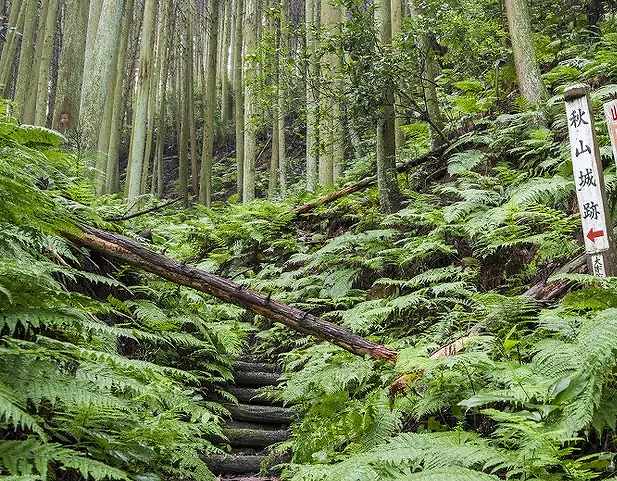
x: 389, y: 195
x: 66, y: 107
x: 283, y: 51
x: 141, y: 104
x: 312, y: 94
x: 239, y: 95
x: 228, y: 291
x: 330, y: 131
x: 103, y: 168
x: 154, y: 105
x: 9, y: 47
x: 165, y: 44
x: 29, y: 110
x: 46, y: 52
x: 205, y: 193
x: 273, y: 26
x: 112, y: 177
x: 26, y: 60
x: 183, y: 112
x: 527, y: 69
x: 429, y: 70
x: 397, y: 15
x: 191, y: 109
x: 250, y: 110
x: 226, y: 98
x: 54, y: 67
x: 98, y: 70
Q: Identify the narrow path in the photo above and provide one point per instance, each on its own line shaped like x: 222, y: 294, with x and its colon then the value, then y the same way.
x: 256, y: 423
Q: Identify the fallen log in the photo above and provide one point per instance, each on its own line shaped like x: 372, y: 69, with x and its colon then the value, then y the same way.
x: 365, y: 183
x: 137, y: 255
x: 256, y: 379
x: 254, y: 438
x: 261, y: 414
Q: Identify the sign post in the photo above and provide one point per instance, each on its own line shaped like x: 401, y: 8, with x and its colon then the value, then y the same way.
x: 589, y: 182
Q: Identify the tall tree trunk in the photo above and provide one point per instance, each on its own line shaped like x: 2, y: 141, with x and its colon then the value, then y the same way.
x: 226, y: 99
x: 26, y: 60
x: 397, y: 17
x: 429, y: 70
x: 141, y: 104
x: 205, y: 193
x: 283, y: 51
x: 191, y: 109
x: 66, y: 107
x: 312, y: 94
x: 112, y: 177
x: 98, y: 70
x: 9, y: 47
x: 46, y: 51
x: 183, y: 113
x: 527, y: 69
x: 239, y: 95
x: 250, y: 110
x: 389, y: 194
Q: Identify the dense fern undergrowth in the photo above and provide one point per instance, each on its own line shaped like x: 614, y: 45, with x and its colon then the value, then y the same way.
x: 107, y: 373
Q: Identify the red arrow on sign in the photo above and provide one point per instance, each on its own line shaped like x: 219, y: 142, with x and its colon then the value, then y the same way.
x: 592, y: 235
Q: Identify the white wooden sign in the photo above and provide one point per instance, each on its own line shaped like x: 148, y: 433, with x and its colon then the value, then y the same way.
x: 587, y: 177
x: 598, y: 266
x: 610, y: 114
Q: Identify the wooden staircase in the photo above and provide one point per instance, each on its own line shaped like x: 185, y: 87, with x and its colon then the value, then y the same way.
x: 256, y: 424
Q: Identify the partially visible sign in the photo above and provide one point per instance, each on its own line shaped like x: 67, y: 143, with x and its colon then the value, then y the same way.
x: 597, y: 265
x: 588, y: 177
x: 610, y: 114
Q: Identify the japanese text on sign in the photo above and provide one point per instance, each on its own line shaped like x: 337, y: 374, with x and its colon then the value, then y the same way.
x: 586, y: 175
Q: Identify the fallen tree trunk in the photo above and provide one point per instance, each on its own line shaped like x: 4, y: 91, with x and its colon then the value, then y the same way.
x: 139, y: 256
x: 143, y: 212
x: 364, y: 183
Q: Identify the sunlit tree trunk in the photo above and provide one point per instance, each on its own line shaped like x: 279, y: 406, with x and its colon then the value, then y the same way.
x: 389, y: 195
x: 205, y: 193
x: 239, y: 95
x: 66, y: 107
x: 397, y: 16
x: 98, y: 69
x: 312, y: 94
x: 190, y: 99
x: 250, y: 111
x: 141, y: 104
x: 527, y: 69
x: 41, y: 97
x: 26, y: 61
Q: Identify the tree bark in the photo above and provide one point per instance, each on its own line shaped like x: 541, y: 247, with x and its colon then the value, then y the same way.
x: 527, y: 69
x: 389, y: 194
x: 46, y: 51
x: 312, y: 94
x: 282, y: 53
x: 250, y: 107
x: 228, y: 291
x: 26, y: 61
x: 205, y: 190
x: 66, y: 107
x: 98, y: 69
x: 140, y: 113
x: 9, y: 47
x: 239, y: 96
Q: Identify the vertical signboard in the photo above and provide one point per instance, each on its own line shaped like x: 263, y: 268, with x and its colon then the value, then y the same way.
x: 610, y: 114
x: 588, y: 180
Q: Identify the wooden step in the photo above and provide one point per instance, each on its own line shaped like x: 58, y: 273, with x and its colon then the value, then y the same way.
x: 260, y: 414
x: 234, y: 463
x: 256, y: 379
x: 251, y: 395
x: 247, y: 478
x: 254, y: 438
x: 256, y: 366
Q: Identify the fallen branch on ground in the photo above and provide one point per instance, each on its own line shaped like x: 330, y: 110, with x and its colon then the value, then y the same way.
x: 144, y: 212
x: 228, y: 291
x: 364, y: 183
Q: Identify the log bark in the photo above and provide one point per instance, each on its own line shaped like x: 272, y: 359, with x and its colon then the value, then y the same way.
x: 364, y: 183
x: 137, y: 255
x: 251, y: 395
x: 261, y: 414
x: 255, y: 438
